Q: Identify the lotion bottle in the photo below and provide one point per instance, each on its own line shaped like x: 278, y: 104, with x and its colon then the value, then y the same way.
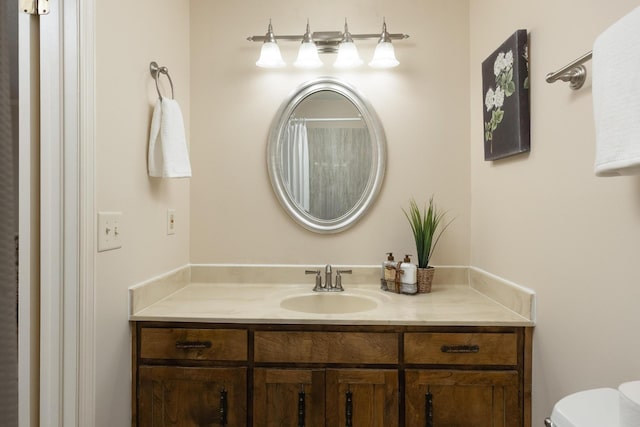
x: 409, y: 276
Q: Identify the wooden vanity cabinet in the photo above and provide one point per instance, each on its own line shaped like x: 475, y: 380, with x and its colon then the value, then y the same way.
x: 474, y: 378
x: 348, y: 384
x: 330, y: 375
x: 189, y: 377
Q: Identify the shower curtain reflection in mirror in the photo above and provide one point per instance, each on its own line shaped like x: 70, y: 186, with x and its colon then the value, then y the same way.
x: 295, y: 158
x: 326, y: 166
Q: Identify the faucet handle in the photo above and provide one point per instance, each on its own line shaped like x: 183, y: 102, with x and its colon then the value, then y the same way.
x: 318, y: 285
x: 338, y: 286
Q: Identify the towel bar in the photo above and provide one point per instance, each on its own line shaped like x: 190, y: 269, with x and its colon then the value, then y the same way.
x: 155, y: 73
x: 575, y: 73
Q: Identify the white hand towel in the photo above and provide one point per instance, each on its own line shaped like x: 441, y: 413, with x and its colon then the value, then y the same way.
x: 168, y: 155
x: 616, y: 97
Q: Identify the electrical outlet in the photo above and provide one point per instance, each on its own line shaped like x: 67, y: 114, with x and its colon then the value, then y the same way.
x: 171, y: 221
x: 109, y: 231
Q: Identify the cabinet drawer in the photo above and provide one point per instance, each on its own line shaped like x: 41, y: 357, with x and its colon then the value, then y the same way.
x: 326, y: 347
x: 461, y: 348
x: 193, y: 344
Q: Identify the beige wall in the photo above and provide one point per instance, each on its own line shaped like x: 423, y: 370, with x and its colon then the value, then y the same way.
x: 544, y: 221
x: 129, y: 36
x: 423, y: 105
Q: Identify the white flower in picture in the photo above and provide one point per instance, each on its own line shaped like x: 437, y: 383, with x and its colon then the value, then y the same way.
x: 508, y: 59
x: 498, y: 65
x: 489, y: 99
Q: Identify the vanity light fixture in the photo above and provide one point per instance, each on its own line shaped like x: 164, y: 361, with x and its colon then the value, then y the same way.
x: 338, y: 42
x: 384, y: 55
x: 308, y: 52
x: 270, y: 56
x: 347, y: 51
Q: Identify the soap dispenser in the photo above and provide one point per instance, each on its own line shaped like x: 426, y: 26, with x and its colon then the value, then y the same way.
x: 409, y: 276
x: 389, y: 268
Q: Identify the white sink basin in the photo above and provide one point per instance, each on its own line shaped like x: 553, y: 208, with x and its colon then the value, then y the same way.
x: 329, y: 303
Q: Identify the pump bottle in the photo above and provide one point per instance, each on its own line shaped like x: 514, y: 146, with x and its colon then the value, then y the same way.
x: 389, y: 268
x: 409, y: 276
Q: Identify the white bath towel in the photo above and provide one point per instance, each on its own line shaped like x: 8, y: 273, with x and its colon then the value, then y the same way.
x: 616, y: 97
x: 168, y: 154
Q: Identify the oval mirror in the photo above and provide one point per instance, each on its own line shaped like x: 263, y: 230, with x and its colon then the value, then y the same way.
x: 326, y: 155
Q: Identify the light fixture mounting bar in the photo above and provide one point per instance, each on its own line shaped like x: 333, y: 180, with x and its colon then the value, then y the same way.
x: 327, y: 41
x: 329, y: 36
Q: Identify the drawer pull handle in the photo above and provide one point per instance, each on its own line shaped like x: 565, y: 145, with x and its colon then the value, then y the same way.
x: 193, y: 345
x: 301, y: 409
x: 223, y: 407
x: 460, y: 348
x: 428, y: 407
x: 349, y: 409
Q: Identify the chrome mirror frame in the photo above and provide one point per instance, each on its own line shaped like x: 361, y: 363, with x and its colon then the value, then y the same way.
x: 379, y: 156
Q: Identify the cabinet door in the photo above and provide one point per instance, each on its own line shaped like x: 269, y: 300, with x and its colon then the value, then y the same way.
x: 276, y: 397
x: 463, y: 398
x: 171, y: 396
x: 373, y: 400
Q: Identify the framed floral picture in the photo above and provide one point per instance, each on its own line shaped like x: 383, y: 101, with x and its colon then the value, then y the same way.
x: 505, y: 86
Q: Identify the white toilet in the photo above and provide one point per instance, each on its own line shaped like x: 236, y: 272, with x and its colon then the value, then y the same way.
x: 601, y: 407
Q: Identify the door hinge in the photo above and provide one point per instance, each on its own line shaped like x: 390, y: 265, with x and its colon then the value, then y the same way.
x: 35, y: 7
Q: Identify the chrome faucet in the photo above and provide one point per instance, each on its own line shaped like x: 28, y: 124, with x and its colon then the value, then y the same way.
x: 327, y: 277
x: 318, y: 287
x: 338, y: 286
x: 328, y: 285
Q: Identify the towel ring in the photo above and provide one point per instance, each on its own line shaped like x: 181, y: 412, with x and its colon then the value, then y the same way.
x: 155, y: 73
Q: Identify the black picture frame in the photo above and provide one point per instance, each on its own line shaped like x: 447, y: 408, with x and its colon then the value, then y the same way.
x: 505, y: 95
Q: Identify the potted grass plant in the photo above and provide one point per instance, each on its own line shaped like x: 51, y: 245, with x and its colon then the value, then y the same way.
x: 427, y: 226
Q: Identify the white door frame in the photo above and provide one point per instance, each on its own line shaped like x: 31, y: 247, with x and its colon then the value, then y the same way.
x: 67, y: 223
x: 87, y: 225
x: 28, y: 256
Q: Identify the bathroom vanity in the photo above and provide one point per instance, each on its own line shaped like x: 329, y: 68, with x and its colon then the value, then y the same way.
x: 220, y: 354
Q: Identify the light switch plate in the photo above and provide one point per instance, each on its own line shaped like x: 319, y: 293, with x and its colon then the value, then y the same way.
x: 109, y: 231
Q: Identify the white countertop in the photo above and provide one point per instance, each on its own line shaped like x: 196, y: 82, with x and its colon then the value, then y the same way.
x: 220, y: 300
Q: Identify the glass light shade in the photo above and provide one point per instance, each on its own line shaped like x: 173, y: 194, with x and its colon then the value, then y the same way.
x: 384, y: 56
x: 347, y: 56
x: 270, y: 56
x: 308, y: 56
